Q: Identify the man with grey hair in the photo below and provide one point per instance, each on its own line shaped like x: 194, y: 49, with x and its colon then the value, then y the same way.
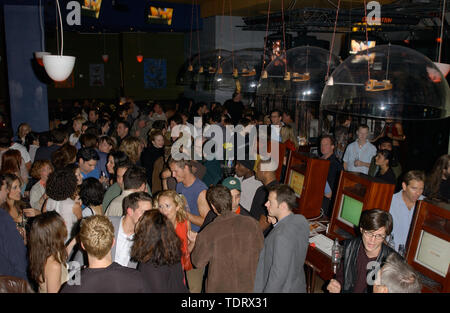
x: 396, y: 276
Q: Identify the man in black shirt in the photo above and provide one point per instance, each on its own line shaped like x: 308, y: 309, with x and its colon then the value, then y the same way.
x: 258, y: 209
x: 327, y: 145
x: 235, y: 107
x: 102, y: 275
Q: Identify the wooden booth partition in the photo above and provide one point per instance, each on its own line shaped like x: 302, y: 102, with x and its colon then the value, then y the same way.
x: 307, y: 175
x: 428, y: 247
x: 356, y: 193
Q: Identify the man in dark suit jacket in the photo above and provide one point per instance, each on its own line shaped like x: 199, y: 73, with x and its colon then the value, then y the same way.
x: 280, y: 265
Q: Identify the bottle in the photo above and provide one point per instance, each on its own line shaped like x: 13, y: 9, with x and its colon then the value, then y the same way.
x: 335, y: 255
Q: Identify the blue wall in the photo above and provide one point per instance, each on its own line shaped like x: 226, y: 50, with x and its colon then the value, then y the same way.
x: 28, y: 95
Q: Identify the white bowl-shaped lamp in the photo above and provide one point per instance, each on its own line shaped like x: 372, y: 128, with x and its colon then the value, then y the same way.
x: 58, y: 67
x: 38, y: 55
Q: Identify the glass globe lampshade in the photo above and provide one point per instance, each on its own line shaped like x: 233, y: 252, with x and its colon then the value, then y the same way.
x: 388, y: 81
x: 300, y: 76
x: 199, y: 72
x: 240, y: 71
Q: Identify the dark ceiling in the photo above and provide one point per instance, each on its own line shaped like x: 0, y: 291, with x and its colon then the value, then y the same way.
x: 299, y: 15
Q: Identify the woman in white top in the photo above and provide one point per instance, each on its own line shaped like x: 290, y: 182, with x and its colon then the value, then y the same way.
x: 91, y: 195
x: 41, y: 170
x: 77, y: 130
x: 61, y: 190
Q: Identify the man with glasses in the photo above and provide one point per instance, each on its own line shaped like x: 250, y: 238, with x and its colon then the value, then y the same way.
x: 363, y: 254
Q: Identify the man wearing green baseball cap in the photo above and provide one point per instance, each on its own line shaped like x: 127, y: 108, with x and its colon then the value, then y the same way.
x: 234, y: 185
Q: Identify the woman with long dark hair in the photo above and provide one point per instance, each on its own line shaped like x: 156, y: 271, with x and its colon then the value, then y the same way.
x: 114, y: 160
x: 437, y: 184
x: 14, y: 204
x: 47, y: 253
x: 157, y: 249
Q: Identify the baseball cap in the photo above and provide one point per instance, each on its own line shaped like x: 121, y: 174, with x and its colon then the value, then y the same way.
x: 232, y: 183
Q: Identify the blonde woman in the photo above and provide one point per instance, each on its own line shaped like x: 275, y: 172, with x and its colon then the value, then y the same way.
x: 77, y: 126
x: 173, y: 206
x: 288, y: 137
x: 132, y: 147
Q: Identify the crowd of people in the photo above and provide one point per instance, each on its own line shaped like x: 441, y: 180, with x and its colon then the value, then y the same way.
x: 101, y: 197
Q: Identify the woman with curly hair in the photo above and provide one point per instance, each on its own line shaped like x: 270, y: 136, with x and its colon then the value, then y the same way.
x: 173, y: 206
x: 41, y: 170
x: 157, y: 249
x: 47, y: 253
x: 132, y: 147
x: 61, y: 188
x: 437, y: 184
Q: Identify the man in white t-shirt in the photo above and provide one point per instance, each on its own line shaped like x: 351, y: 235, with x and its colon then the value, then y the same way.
x: 359, y: 153
x: 403, y: 204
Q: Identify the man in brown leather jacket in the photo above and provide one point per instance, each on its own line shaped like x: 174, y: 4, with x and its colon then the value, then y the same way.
x: 230, y: 244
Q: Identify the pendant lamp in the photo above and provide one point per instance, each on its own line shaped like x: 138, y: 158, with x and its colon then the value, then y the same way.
x: 59, y: 67
x: 139, y: 58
